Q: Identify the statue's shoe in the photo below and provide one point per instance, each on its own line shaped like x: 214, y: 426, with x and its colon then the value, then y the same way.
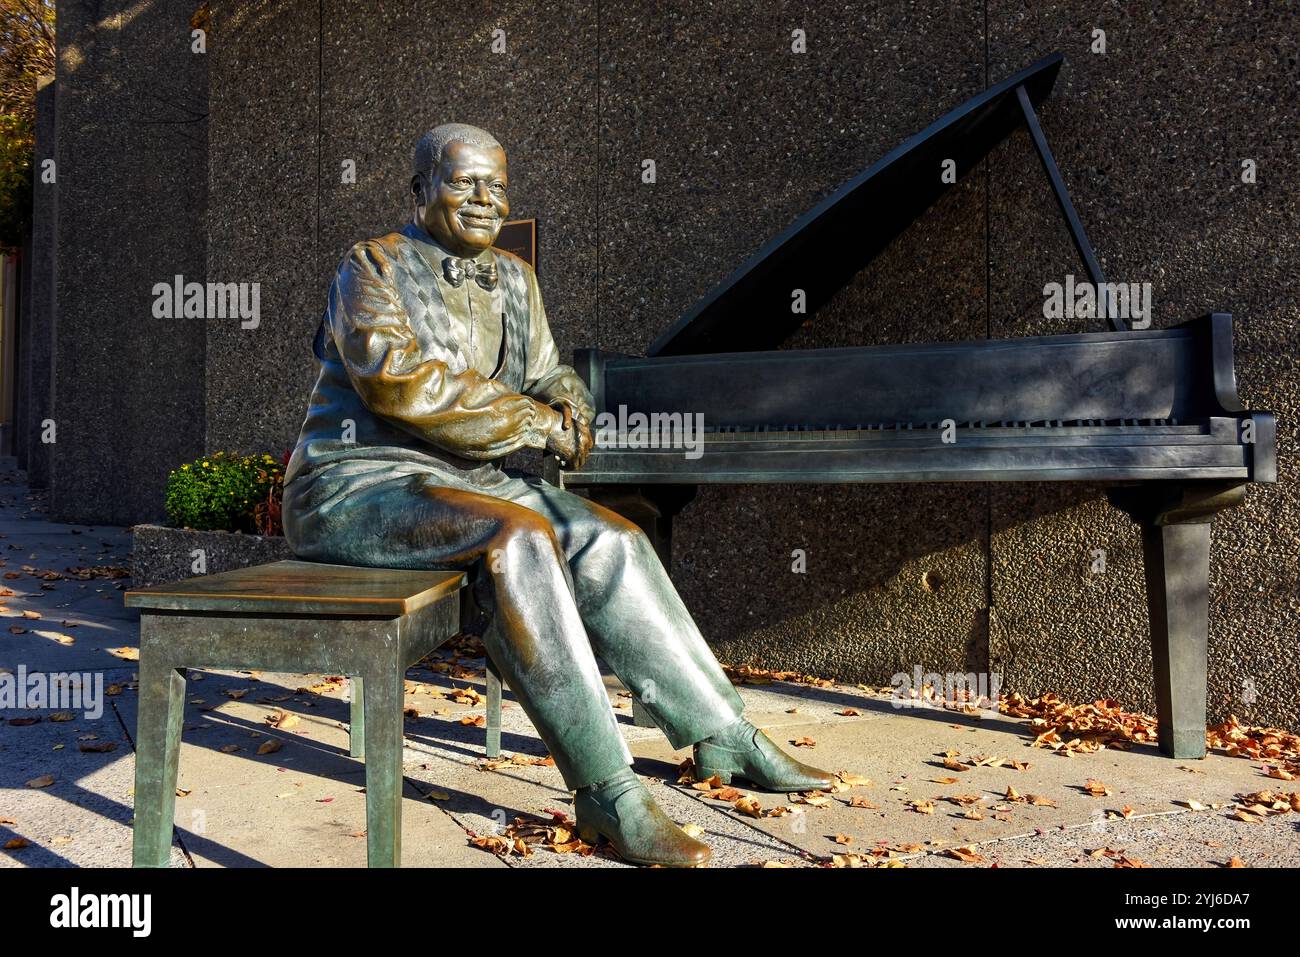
x: 746, y: 752
x: 622, y: 811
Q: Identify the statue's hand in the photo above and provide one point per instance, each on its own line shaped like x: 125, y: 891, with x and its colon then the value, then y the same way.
x: 571, y: 439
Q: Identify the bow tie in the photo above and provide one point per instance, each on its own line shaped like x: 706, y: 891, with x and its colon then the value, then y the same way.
x: 458, y: 270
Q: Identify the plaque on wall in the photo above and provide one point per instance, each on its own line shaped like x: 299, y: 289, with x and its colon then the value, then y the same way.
x: 520, y: 237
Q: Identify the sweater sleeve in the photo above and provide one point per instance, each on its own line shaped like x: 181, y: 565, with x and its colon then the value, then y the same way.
x: 547, y: 379
x: 464, y: 413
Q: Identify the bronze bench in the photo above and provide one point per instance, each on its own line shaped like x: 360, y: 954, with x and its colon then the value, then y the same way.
x: 369, y: 624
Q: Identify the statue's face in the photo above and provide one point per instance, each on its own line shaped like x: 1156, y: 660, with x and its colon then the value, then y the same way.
x: 468, y: 202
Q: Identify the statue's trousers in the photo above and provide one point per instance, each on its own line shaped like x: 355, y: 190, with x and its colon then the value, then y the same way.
x: 569, y: 579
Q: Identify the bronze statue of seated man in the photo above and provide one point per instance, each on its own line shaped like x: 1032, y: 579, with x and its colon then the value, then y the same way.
x: 436, y: 362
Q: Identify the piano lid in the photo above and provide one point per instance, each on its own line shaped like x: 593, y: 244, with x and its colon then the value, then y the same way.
x: 822, y: 250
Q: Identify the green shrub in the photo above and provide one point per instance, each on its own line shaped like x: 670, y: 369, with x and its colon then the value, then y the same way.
x: 228, y: 492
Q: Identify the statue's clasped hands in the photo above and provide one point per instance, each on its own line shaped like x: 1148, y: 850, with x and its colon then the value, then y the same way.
x: 570, y: 440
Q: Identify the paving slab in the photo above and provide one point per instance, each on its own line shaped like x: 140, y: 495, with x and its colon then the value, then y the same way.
x: 921, y: 804
x: 304, y: 804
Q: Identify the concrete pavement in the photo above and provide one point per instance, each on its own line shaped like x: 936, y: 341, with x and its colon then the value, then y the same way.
x: 303, y: 803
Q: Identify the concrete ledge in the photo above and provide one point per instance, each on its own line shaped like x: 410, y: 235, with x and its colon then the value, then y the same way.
x: 161, y: 555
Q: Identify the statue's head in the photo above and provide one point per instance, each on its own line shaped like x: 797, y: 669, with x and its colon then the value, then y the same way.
x: 460, y: 187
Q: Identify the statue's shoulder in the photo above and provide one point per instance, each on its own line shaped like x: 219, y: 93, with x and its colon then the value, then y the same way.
x: 373, y: 254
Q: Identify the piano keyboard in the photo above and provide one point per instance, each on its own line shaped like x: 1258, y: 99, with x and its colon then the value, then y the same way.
x: 1078, y: 450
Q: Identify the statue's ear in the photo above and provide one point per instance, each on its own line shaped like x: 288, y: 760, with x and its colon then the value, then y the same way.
x: 418, y: 189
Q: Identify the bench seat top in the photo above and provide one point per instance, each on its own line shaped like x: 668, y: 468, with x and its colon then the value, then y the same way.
x: 307, y: 588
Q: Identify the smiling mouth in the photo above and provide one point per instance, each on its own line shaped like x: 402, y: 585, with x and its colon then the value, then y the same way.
x: 477, y: 220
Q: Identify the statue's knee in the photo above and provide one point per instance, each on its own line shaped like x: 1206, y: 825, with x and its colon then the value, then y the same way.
x: 625, y: 534
x: 529, y: 533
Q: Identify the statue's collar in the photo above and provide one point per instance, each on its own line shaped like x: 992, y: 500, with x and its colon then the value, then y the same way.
x: 435, y: 251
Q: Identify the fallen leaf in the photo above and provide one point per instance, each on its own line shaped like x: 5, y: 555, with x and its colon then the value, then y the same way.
x: 44, y: 781
x: 17, y: 844
x: 804, y: 742
x: 97, y: 747
x: 283, y: 720
x: 270, y: 746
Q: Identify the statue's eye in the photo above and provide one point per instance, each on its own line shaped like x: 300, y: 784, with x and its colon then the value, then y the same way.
x: 462, y: 182
x: 498, y: 187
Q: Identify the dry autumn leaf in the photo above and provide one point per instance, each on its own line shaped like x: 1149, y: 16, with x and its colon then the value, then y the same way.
x: 270, y: 746
x: 44, y: 781
x: 283, y: 720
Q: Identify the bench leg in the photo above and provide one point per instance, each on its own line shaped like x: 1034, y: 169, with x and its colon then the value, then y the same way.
x: 1177, y: 561
x: 157, y: 755
x: 383, y: 749
x: 493, y: 748
x: 357, y: 723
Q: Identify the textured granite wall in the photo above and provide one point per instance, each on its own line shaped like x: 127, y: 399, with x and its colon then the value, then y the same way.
x: 747, y: 134
x: 38, y: 327
x: 1151, y: 136
x: 132, y: 178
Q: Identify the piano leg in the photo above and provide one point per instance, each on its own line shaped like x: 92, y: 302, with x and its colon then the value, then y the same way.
x: 1176, y: 554
x: 652, y: 509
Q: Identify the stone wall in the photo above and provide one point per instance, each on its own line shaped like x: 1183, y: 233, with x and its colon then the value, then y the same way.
x: 37, y: 335
x: 746, y: 135
x: 132, y: 188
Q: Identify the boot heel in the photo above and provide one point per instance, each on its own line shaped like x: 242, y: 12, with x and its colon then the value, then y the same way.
x: 703, y: 774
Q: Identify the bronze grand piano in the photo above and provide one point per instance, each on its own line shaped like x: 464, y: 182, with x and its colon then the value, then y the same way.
x: 1153, y: 414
